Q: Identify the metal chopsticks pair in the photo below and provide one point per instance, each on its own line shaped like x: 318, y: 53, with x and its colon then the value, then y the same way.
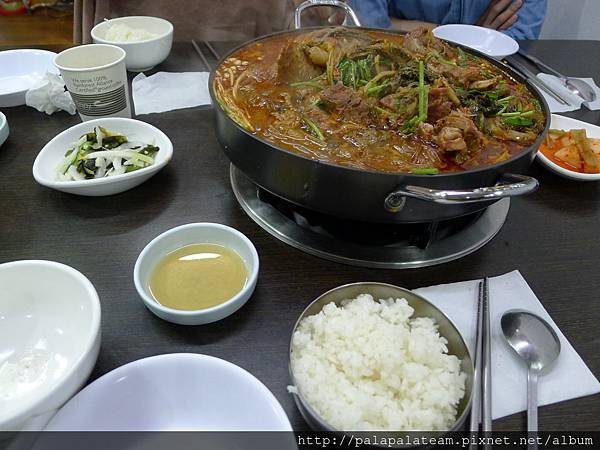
x: 201, y: 54
x: 529, y: 75
x: 481, y: 408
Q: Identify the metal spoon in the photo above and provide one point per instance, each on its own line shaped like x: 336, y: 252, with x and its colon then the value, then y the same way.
x: 536, y: 342
x: 576, y: 86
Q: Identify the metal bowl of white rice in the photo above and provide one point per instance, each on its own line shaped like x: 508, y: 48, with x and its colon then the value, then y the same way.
x: 377, y: 357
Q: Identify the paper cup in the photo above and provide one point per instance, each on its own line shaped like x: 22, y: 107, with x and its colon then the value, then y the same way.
x: 96, y: 78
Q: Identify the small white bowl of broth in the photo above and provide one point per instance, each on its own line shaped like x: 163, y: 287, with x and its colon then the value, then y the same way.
x: 196, y: 273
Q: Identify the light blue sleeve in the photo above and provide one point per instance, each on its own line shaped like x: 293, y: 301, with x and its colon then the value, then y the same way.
x: 531, y: 18
x: 372, y: 13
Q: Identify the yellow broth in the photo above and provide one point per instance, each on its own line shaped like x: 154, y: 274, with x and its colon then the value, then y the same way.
x: 198, y: 276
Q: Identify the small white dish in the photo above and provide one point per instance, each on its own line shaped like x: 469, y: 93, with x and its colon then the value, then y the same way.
x: 20, y: 70
x: 490, y: 42
x: 49, y: 339
x: 4, y: 130
x: 195, y: 233
x: 173, y: 392
x: 49, y: 158
x: 141, y: 55
x: 566, y: 123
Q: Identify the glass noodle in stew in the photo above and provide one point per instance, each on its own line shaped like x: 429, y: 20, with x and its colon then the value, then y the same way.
x: 378, y: 101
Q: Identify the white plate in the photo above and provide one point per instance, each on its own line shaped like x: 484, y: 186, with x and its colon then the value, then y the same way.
x: 49, y: 339
x: 20, y: 70
x: 49, y: 158
x: 566, y: 123
x: 487, y: 41
x: 174, y: 392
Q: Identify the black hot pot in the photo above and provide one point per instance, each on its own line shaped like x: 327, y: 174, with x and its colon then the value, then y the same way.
x: 369, y: 196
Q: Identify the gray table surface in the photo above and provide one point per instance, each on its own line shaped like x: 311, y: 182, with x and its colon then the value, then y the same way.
x: 551, y: 237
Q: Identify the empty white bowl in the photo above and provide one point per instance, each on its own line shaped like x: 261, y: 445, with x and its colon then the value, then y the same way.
x: 49, y: 339
x: 141, y: 55
x: 173, y: 392
x: 195, y: 233
x: 20, y: 70
x: 566, y: 123
x: 487, y: 41
x: 50, y: 157
x: 4, y: 130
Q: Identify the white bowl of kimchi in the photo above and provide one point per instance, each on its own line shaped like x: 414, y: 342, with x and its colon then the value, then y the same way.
x: 564, y: 157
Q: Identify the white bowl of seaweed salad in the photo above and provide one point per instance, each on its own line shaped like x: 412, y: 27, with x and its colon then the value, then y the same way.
x: 102, y: 157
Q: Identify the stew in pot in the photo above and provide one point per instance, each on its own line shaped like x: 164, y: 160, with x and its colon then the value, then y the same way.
x: 378, y: 101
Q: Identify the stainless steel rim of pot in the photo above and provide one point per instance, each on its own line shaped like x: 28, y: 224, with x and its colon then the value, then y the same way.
x: 363, y: 287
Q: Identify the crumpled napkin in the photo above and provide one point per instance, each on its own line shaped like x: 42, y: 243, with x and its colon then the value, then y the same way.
x: 49, y: 95
x: 166, y: 91
x: 509, y: 373
x: 575, y: 101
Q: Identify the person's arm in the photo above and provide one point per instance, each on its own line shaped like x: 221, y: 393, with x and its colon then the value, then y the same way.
x: 409, y: 25
x: 500, y: 14
x: 530, y: 20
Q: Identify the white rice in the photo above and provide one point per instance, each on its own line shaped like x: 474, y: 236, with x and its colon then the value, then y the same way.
x: 119, y: 32
x: 366, y: 366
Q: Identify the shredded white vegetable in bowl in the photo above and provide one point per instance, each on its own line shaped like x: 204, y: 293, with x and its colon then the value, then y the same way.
x: 102, y: 153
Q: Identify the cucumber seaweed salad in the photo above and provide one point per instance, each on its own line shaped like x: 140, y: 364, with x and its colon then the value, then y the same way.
x: 103, y: 153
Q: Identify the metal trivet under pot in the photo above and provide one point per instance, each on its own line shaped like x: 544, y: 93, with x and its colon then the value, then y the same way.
x: 390, y: 246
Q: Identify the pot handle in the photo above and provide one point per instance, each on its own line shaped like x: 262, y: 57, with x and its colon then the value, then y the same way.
x: 335, y: 3
x: 517, y: 185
